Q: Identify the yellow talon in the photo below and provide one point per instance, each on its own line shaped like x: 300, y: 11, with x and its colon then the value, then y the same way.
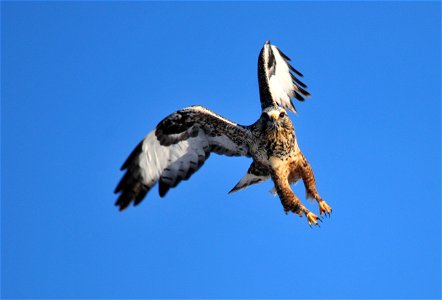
x: 324, y: 208
x: 312, y: 218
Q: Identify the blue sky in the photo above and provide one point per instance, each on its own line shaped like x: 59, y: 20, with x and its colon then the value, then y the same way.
x: 82, y: 83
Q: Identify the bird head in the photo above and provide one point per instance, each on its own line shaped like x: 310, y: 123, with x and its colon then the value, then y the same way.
x: 275, y: 117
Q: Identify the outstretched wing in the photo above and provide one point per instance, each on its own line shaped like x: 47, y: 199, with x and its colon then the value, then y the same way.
x: 278, y: 83
x: 177, y: 148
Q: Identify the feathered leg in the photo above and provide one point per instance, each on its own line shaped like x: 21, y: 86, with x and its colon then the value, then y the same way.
x: 289, y: 200
x: 310, y: 186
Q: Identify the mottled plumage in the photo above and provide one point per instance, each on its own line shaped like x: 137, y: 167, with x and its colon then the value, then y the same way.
x: 181, y: 143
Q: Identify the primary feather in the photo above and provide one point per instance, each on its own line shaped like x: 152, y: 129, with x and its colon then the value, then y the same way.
x: 177, y: 148
x: 277, y: 81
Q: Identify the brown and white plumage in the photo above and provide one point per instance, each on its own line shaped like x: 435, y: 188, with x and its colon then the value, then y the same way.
x: 177, y: 148
x: 181, y: 143
x: 277, y: 81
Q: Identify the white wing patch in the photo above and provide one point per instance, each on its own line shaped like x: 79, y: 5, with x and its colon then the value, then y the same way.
x: 152, y: 162
x: 157, y: 160
x: 176, y: 149
x: 282, y: 83
x: 173, y: 163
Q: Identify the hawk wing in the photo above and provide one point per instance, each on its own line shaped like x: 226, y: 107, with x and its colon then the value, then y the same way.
x: 177, y: 148
x: 278, y: 83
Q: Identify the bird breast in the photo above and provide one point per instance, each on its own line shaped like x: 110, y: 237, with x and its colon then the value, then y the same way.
x: 279, y: 143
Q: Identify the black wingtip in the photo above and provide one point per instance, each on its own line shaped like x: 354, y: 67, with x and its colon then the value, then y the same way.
x: 141, y: 194
x: 130, y: 194
x: 132, y: 156
x: 123, y: 201
x: 163, y: 188
x: 234, y: 189
x: 293, y: 108
x: 284, y: 55
x: 297, y: 81
x: 299, y: 97
x: 123, y: 182
x: 296, y: 71
x: 303, y: 92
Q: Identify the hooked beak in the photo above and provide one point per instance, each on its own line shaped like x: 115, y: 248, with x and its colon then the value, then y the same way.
x: 273, y: 120
x: 274, y: 117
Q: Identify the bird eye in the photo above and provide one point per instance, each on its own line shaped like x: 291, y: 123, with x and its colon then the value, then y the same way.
x: 282, y: 114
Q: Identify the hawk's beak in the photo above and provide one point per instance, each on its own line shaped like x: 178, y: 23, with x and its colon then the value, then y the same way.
x: 274, y: 117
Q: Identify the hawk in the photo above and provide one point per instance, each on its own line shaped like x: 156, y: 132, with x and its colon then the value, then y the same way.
x: 184, y: 140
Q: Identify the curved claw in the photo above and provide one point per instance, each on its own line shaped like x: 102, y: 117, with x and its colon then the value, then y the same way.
x: 324, y: 208
x: 312, y: 219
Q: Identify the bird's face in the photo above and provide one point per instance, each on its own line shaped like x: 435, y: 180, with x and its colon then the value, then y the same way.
x: 276, y: 118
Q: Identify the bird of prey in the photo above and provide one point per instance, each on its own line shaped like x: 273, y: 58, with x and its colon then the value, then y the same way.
x: 181, y: 143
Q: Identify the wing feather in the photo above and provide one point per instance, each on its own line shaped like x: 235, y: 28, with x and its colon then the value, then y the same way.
x: 283, y: 84
x: 278, y: 80
x: 176, y: 149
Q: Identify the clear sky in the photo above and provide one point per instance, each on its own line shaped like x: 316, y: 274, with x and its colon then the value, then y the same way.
x: 83, y: 83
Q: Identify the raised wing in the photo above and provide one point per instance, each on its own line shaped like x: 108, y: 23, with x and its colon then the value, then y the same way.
x: 177, y: 148
x: 277, y: 81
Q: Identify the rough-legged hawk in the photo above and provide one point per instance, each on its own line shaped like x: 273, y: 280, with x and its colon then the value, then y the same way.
x: 181, y: 143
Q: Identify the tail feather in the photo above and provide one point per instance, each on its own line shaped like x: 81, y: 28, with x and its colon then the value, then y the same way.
x: 254, y: 175
x: 246, y: 181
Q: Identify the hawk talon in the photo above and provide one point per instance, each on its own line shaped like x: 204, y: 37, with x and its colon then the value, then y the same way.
x: 316, y: 225
x: 324, y: 208
x: 312, y: 219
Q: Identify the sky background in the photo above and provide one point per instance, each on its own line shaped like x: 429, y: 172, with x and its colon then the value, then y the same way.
x: 83, y: 83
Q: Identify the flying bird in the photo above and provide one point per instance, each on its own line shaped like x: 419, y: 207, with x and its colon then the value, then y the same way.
x: 184, y: 140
